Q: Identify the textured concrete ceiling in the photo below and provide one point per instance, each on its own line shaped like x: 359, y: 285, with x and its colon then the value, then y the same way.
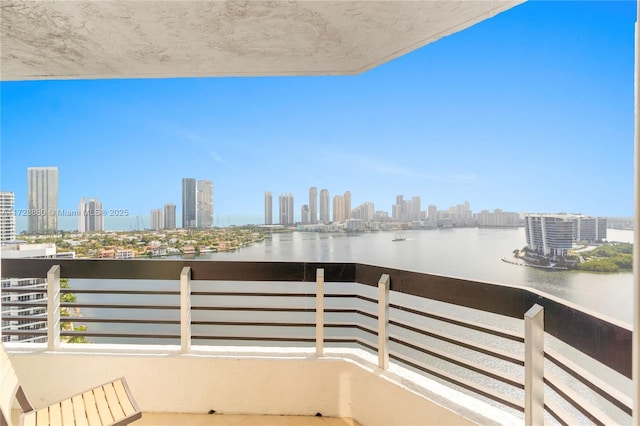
x: 142, y: 39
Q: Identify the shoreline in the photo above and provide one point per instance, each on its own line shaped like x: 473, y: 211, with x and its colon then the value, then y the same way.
x: 546, y: 268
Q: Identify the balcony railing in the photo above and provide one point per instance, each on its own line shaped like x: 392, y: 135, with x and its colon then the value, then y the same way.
x: 513, y: 346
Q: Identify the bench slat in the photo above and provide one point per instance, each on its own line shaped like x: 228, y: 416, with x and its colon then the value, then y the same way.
x: 79, y: 413
x: 113, y: 402
x: 91, y: 409
x: 123, y: 396
x: 55, y: 415
x: 66, y: 407
x: 103, y: 407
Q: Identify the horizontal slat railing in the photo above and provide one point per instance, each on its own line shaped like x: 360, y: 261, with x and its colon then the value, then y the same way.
x: 611, y: 345
x: 602, y: 340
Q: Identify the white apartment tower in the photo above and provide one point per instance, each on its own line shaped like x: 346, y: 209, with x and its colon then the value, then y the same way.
x: 338, y: 209
x: 286, y: 209
x: 157, y: 219
x: 268, y: 208
x: 204, y: 201
x: 324, y: 206
x: 305, y: 217
x: 90, y: 215
x: 42, y: 194
x: 347, y: 205
x: 313, y: 205
x: 7, y: 217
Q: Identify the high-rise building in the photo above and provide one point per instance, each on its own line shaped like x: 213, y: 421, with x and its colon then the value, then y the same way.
x: 364, y: 212
x: 90, y: 215
x: 305, y: 216
x: 20, y: 250
x: 189, y: 206
x: 433, y: 214
x: 549, y: 234
x: 497, y: 218
x: 338, y: 209
x: 205, y: 204
x: 591, y: 229
x: 42, y: 194
x: 157, y: 219
x: 399, y: 209
x: 416, y: 208
x: 347, y: 205
x: 268, y: 208
x: 324, y: 206
x: 313, y: 204
x: 7, y: 217
x: 286, y: 209
x: 169, y: 216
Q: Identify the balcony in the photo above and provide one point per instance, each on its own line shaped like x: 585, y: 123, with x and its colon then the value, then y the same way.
x: 372, y: 344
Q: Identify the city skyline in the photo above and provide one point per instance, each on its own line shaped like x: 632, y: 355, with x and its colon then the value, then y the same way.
x: 530, y: 111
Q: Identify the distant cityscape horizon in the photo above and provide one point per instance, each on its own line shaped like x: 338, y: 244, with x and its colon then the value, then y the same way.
x: 42, y: 215
x: 142, y: 222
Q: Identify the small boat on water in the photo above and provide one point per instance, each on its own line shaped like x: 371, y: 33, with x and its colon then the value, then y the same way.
x: 398, y: 238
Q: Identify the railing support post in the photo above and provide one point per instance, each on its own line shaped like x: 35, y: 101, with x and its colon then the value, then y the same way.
x: 383, y: 322
x: 53, y: 308
x: 185, y: 309
x: 319, y: 312
x: 534, y: 366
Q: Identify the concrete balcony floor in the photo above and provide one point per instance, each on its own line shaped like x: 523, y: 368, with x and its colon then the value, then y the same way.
x: 162, y: 419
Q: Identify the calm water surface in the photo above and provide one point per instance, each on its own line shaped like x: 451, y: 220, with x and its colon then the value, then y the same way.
x: 470, y: 253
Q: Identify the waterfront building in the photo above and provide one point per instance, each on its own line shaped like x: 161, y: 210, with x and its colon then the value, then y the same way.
x: 42, y: 195
x: 204, y: 199
x: 313, y: 205
x: 124, y: 254
x: 554, y: 234
x: 7, y: 217
x: 549, y: 234
x: 432, y: 215
x: 338, y: 209
x: 364, y: 212
x: 90, y: 215
x: 157, y: 219
x: 398, y: 210
x: 169, y: 216
x: 189, y: 206
x: 286, y: 209
x: 347, y: 205
x: 305, y: 216
x: 415, y: 209
x: 324, y: 206
x: 268, y: 208
x: 22, y: 250
x: 354, y: 225
x: 497, y: 218
x: 460, y: 214
x: 590, y: 229
x: 381, y: 216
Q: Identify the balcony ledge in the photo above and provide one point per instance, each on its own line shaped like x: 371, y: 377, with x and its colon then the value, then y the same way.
x: 344, y: 382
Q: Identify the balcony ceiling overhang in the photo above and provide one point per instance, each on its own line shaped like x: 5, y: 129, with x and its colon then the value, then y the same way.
x: 48, y: 40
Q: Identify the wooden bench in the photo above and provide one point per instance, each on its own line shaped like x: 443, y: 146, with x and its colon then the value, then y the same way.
x: 108, y: 404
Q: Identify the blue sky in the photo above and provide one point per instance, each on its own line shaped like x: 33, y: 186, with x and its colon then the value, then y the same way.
x: 531, y: 111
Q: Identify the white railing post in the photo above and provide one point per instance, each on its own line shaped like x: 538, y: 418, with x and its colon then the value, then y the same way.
x: 319, y: 312
x: 383, y: 322
x: 53, y: 308
x: 185, y: 309
x: 534, y: 366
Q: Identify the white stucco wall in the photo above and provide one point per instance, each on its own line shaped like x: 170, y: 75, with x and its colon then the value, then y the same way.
x: 246, y: 382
